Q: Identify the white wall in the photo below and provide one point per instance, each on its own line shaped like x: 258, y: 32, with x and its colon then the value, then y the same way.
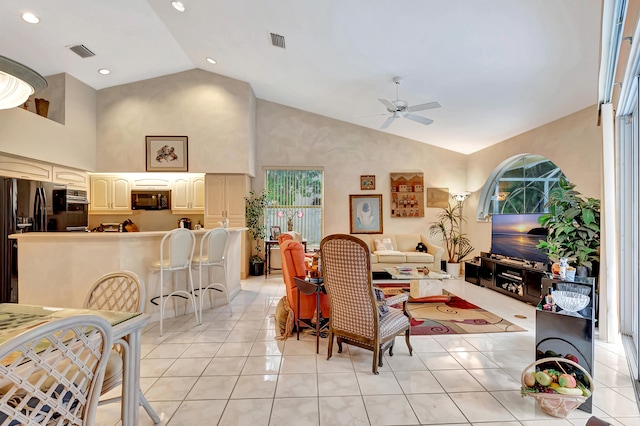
x: 290, y: 137
x: 573, y: 143
x: 70, y: 144
x: 215, y: 112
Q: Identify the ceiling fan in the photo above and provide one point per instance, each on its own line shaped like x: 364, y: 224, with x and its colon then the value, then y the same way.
x: 400, y: 108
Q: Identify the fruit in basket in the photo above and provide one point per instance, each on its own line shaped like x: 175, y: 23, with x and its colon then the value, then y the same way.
x: 568, y: 391
x: 543, y: 378
x: 571, y: 357
x: 530, y: 379
x: 567, y: 381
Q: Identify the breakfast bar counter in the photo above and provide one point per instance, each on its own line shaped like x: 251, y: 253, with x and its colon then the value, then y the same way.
x: 58, y: 268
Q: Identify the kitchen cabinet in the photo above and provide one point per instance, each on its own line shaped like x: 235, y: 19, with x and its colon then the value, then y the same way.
x: 225, y: 199
x: 75, y: 179
x: 146, y: 182
x: 110, y: 193
x: 188, y: 194
x: 25, y: 169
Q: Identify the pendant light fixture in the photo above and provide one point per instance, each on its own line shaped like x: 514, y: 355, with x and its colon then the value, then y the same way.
x: 17, y: 83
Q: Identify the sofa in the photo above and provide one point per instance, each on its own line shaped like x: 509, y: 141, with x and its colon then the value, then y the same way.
x: 388, y: 250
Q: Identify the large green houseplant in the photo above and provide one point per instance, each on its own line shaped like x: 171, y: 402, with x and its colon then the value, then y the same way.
x: 255, y: 205
x: 448, y: 225
x: 573, y: 225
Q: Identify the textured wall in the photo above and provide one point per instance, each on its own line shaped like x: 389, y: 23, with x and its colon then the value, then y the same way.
x: 215, y: 112
x: 290, y: 137
x: 70, y: 144
x: 573, y: 143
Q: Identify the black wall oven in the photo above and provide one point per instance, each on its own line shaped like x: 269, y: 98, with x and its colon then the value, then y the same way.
x: 70, y: 210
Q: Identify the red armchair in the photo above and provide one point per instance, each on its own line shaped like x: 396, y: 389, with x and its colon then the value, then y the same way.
x: 293, y: 265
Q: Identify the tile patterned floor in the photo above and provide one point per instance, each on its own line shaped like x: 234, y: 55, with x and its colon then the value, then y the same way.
x: 231, y: 371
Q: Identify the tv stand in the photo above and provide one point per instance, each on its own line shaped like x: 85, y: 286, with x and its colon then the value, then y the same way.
x: 519, y: 279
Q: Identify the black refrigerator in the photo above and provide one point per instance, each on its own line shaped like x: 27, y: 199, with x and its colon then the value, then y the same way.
x: 25, y: 206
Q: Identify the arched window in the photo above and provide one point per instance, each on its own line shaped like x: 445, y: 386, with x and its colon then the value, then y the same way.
x: 520, y: 184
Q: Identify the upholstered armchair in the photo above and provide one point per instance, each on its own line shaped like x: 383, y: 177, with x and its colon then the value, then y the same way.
x: 293, y: 265
x: 357, y: 316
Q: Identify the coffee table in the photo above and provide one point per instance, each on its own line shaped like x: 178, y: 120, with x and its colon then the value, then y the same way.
x: 420, y: 285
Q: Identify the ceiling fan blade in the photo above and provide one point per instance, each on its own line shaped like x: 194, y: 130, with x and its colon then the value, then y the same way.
x: 419, y: 119
x: 422, y: 107
x: 387, y: 122
x: 390, y: 106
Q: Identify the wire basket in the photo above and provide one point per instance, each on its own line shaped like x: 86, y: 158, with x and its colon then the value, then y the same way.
x: 555, y: 404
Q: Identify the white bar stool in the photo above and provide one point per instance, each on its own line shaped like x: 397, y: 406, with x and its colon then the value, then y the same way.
x: 176, y: 254
x: 213, y: 254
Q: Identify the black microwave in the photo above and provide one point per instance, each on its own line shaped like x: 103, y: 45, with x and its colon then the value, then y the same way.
x: 151, y: 200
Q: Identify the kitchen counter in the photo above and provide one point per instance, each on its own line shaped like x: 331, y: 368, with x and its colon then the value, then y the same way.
x: 58, y: 268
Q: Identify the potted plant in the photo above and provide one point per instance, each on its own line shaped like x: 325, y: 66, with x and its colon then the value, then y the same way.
x: 573, y: 225
x: 448, y: 226
x: 254, y: 212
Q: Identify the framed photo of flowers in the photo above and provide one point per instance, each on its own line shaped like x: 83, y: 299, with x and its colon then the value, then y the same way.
x: 167, y: 154
x: 365, y: 213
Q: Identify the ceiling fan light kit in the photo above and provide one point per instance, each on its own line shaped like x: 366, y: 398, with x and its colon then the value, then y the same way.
x: 400, y: 108
x: 17, y: 83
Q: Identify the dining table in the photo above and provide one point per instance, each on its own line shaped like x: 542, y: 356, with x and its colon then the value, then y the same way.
x: 17, y: 318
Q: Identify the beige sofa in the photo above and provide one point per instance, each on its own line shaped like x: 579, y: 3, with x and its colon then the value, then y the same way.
x: 404, y: 251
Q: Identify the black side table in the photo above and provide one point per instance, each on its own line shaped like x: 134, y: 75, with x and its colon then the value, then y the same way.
x: 307, y: 287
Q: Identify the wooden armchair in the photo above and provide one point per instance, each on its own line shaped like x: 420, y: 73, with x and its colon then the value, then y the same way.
x: 357, y: 317
x: 293, y: 265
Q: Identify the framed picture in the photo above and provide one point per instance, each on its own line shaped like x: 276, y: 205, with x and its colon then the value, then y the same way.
x: 365, y: 212
x: 167, y: 154
x: 275, y: 232
x: 438, y: 197
x: 367, y: 182
x: 407, y: 194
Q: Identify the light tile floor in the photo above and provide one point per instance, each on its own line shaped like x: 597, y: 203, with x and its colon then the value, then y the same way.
x: 231, y: 371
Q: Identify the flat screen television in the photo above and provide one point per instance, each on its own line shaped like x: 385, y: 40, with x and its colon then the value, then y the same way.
x: 516, y: 236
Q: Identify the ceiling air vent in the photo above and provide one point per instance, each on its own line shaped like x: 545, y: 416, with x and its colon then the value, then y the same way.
x: 82, y: 51
x: 277, y: 40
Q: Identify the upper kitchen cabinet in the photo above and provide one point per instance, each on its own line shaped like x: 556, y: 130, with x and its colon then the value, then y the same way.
x: 187, y: 194
x: 147, y: 181
x: 16, y: 167
x: 225, y: 199
x: 110, y: 193
x: 74, y: 179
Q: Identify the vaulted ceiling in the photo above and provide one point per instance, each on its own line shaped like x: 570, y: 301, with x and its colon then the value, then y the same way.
x: 497, y: 67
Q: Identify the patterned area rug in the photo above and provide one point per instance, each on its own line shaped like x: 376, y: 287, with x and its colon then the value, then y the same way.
x: 456, y: 316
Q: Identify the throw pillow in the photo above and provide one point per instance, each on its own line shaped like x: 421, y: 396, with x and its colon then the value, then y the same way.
x: 382, y: 308
x: 421, y: 247
x: 284, y: 319
x: 383, y: 244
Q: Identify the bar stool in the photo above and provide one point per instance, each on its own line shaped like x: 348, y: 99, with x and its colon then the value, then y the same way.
x: 176, y: 254
x: 213, y: 254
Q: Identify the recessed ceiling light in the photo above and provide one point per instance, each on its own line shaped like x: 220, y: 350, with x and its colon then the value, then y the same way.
x: 177, y: 5
x: 30, y: 18
x: 104, y: 71
x: 211, y: 60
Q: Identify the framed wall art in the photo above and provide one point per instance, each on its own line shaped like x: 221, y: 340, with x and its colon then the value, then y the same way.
x: 365, y: 213
x: 438, y: 197
x: 407, y: 194
x: 167, y: 154
x: 367, y: 182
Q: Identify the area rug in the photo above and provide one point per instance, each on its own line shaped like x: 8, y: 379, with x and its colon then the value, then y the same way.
x: 454, y: 317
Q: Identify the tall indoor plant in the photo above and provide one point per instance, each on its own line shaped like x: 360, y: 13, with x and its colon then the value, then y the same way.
x: 448, y: 226
x: 573, y: 225
x: 254, y: 212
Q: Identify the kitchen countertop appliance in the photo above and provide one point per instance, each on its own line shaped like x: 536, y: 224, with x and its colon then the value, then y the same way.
x: 184, y: 222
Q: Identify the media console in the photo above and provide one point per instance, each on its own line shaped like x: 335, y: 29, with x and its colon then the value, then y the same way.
x: 521, y: 280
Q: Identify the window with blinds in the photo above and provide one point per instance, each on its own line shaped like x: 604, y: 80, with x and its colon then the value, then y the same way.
x: 295, y: 202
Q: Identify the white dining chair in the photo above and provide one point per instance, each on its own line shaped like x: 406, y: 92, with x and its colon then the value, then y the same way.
x: 176, y: 254
x: 52, y: 373
x: 213, y: 254
x: 121, y: 291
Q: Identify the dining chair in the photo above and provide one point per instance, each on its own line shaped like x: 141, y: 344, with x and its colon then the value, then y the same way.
x: 52, y: 373
x: 213, y: 254
x: 118, y: 291
x: 358, y: 316
x: 176, y: 254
